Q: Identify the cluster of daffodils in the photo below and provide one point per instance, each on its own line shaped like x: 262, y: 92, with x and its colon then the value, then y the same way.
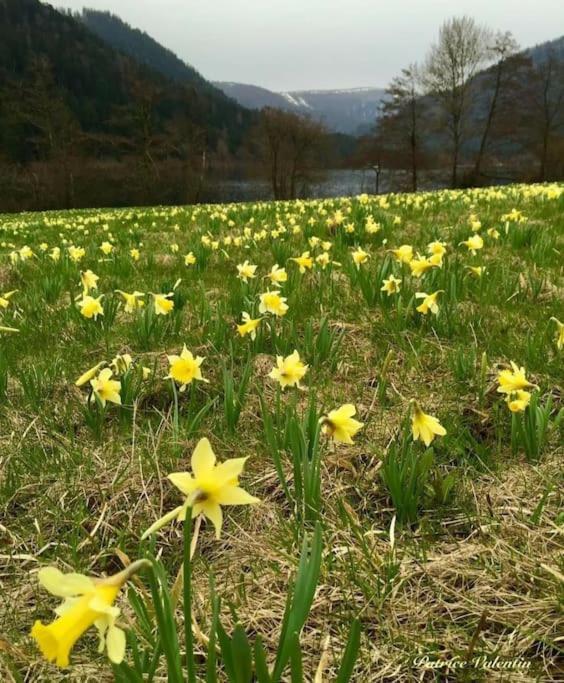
x: 514, y: 384
x: 91, y: 307
x: 105, y: 379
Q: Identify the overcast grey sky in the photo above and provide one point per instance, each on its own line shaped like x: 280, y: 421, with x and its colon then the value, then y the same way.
x: 303, y: 44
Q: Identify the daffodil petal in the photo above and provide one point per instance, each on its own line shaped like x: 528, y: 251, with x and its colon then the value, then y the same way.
x: 64, y: 585
x: 229, y: 470
x: 98, y: 604
x: 183, y: 481
x: 235, y: 495
x: 203, y: 458
x: 115, y: 643
x: 213, y: 512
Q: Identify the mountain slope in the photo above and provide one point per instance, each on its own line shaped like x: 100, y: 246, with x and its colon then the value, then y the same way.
x: 253, y: 96
x: 540, y: 53
x: 223, y: 111
x: 350, y: 111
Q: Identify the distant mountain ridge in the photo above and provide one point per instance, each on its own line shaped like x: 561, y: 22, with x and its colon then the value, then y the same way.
x: 352, y: 111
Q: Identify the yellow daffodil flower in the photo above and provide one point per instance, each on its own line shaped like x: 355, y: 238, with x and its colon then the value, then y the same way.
x: 87, y: 602
x: 429, y: 302
x: 184, y: 369
x: 272, y: 302
x: 323, y: 260
x: 132, y: 301
x: 135, y: 254
x: 360, y: 256
x: 163, y: 303
x: 420, y: 265
x: 425, y: 427
x: 89, y: 280
x: 403, y: 254
x: 277, y: 275
x: 76, y: 254
x: 5, y: 298
x: 26, y: 253
x: 518, y: 401
x: 513, y: 380
x: 189, y: 259
x: 371, y: 226
x: 248, y: 326
x: 391, y: 285
x: 246, y: 271
x: 105, y: 388
x: 106, y: 248
x: 340, y: 425
x: 559, y: 333
x: 288, y: 371
x: 436, y: 249
x: 304, y: 261
x: 207, y: 488
x: 91, y: 307
x: 473, y: 243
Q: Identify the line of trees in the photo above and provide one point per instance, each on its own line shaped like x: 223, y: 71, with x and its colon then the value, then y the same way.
x: 475, y: 95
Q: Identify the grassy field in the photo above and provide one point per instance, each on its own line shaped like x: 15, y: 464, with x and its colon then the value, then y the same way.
x: 439, y: 541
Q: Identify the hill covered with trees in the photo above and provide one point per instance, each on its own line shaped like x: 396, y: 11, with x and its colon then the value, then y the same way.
x: 222, y: 111
x: 68, y: 100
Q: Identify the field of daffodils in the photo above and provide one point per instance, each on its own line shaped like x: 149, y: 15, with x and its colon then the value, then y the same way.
x: 305, y: 441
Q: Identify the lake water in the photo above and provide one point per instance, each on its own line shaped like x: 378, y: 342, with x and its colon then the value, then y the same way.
x: 333, y: 183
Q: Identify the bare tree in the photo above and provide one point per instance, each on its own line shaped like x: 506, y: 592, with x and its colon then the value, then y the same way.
x: 289, y: 143
x: 502, y: 47
x: 451, y: 64
x: 401, y: 114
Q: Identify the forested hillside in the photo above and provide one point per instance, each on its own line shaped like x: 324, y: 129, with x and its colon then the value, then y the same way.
x: 222, y: 111
x: 71, y: 104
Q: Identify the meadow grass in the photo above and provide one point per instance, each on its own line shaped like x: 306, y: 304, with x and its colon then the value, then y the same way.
x: 451, y: 551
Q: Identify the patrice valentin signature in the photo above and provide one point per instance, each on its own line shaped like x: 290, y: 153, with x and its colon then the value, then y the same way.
x: 483, y: 662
